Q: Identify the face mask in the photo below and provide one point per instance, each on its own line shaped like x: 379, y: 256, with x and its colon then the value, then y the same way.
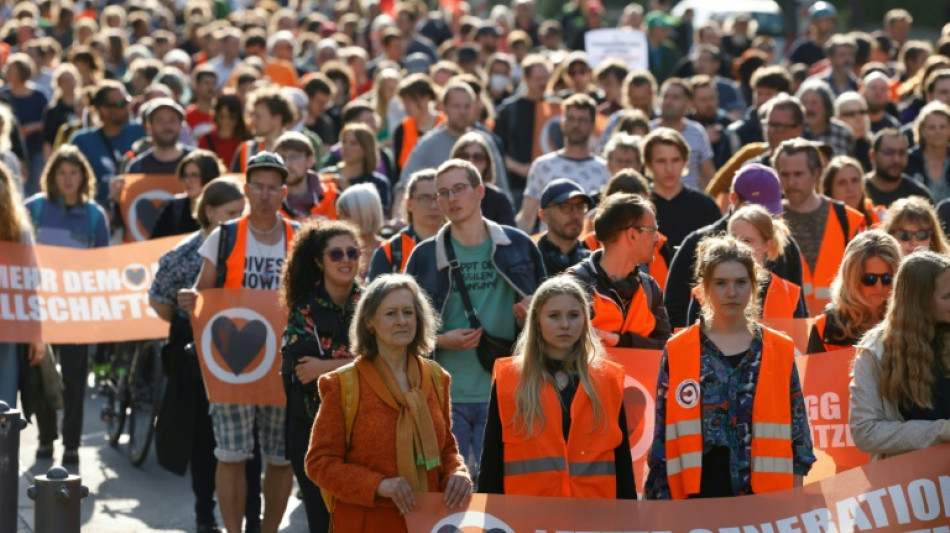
x: 498, y: 82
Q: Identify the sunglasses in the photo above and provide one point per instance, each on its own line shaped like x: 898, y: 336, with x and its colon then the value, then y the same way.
x: 118, y: 104
x: 870, y: 280
x: 337, y: 254
x: 906, y: 236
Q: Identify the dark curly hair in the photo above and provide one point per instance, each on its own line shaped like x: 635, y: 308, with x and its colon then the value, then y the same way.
x: 301, y: 271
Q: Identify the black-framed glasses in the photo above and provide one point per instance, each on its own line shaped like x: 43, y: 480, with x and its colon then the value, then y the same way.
x: 906, y: 235
x: 457, y: 190
x: 336, y: 254
x: 870, y: 280
x: 567, y: 208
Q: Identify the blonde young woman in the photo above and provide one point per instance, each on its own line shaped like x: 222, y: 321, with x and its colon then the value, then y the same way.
x: 556, y: 424
x: 859, y: 292
x: 726, y: 385
x: 900, y: 389
x: 767, y: 237
x: 914, y: 223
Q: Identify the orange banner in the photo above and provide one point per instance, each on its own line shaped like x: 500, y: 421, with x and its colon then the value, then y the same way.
x: 904, y: 494
x: 824, y: 377
x: 238, y: 335
x: 142, y: 199
x: 66, y: 295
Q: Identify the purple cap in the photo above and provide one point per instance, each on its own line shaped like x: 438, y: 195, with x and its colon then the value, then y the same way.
x: 759, y: 184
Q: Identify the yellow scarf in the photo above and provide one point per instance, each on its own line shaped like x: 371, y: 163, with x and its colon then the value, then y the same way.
x: 417, y: 448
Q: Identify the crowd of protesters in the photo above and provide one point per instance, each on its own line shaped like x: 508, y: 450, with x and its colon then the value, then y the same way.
x: 432, y: 191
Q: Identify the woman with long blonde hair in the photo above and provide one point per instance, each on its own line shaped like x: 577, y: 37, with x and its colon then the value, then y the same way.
x: 558, y: 374
x: 859, y: 292
x: 914, y: 223
x: 726, y: 385
x: 900, y: 388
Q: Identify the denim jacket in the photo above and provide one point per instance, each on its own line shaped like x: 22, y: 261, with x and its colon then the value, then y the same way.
x: 513, y: 254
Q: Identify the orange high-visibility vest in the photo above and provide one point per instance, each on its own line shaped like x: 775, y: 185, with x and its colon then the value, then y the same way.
x: 821, y: 322
x: 405, y: 243
x: 410, y: 136
x: 772, y: 459
x: 781, y: 299
x: 546, y: 465
x: 326, y: 207
x: 236, y: 259
x: 817, y: 284
x: 638, y: 317
x: 591, y: 241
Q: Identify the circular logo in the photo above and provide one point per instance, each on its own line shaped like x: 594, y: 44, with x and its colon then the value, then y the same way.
x: 144, y: 212
x: 471, y: 521
x: 238, y: 346
x: 639, y: 406
x: 687, y: 394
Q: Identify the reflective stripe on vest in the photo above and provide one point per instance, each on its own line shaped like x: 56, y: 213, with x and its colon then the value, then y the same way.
x: 781, y: 299
x: 608, y: 315
x: 544, y: 464
x: 772, y: 460
x: 817, y: 284
x: 236, y: 259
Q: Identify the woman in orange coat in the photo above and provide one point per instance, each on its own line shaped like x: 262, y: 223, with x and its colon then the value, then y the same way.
x: 392, y: 395
x: 556, y: 424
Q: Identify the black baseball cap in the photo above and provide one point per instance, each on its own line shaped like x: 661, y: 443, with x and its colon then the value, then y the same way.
x: 269, y: 160
x: 562, y: 190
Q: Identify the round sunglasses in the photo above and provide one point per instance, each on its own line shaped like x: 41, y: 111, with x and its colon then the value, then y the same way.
x: 336, y: 254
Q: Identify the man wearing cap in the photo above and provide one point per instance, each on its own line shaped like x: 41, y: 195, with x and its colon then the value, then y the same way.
x: 753, y: 184
x: 663, y: 53
x: 574, y: 160
x: 165, y: 118
x: 563, y: 206
x: 822, y: 227
x: 627, y: 303
x: 104, y: 146
x: 809, y: 49
x: 249, y: 253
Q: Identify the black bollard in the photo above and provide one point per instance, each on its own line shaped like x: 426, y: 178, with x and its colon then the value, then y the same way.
x: 57, y: 496
x: 11, y: 423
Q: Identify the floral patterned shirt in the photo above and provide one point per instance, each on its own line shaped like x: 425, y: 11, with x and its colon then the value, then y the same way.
x: 727, y: 397
x: 177, y: 269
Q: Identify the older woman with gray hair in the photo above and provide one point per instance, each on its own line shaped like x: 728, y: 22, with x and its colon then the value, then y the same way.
x: 852, y: 109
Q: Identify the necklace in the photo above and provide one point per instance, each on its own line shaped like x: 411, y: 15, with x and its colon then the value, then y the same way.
x: 264, y: 231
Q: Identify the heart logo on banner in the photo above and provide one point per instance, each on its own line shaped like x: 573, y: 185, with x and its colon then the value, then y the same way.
x: 135, y: 275
x: 238, y: 346
x: 147, y: 213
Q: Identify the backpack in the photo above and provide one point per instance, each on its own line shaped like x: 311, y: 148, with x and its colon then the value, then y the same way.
x: 92, y: 218
x: 350, y: 395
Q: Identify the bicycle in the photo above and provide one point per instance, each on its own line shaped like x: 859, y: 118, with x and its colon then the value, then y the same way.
x: 132, y: 384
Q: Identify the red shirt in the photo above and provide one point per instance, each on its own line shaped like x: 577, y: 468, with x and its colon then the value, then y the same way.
x: 225, y: 148
x: 195, y: 117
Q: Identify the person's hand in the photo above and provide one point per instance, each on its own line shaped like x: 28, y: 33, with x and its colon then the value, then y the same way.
x: 520, y: 309
x: 714, y: 131
x: 187, y: 298
x: 398, y: 490
x: 37, y: 352
x: 608, y: 338
x: 460, y: 339
x: 309, y: 369
x: 115, y: 188
x: 458, y: 489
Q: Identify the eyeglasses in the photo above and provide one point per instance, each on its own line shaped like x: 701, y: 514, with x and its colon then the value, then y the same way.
x: 870, y: 280
x: 856, y: 112
x: 477, y: 157
x: 457, y: 190
x: 261, y: 190
x: 567, y: 208
x: 906, y: 235
x: 651, y: 229
x: 336, y: 254
x: 426, y: 199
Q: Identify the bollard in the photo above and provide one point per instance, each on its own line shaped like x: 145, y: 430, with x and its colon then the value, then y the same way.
x: 11, y: 423
x: 57, y: 496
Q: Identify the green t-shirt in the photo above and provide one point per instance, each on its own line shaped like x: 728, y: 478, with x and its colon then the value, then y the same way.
x: 492, y: 297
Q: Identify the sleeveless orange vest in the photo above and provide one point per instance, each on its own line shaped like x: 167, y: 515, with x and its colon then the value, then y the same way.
x: 772, y: 459
x: 546, y: 465
x: 817, y: 284
x: 326, y: 208
x: 820, y: 322
x: 236, y: 259
x: 781, y: 299
x: 410, y: 136
x: 638, y: 318
x: 406, y: 245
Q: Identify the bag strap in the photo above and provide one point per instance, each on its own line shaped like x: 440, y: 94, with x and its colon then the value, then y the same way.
x: 396, y: 248
x: 92, y: 220
x: 842, y: 215
x: 36, y: 210
x: 647, y: 288
x: 456, y: 272
x: 225, y: 245
x: 108, y: 144
x: 210, y: 141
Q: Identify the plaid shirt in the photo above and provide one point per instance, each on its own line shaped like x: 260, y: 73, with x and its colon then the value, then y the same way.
x: 837, y: 135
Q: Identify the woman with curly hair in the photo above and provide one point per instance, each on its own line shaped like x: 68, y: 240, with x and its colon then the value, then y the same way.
x: 859, y: 292
x: 914, y: 223
x: 320, y: 292
x: 900, y: 389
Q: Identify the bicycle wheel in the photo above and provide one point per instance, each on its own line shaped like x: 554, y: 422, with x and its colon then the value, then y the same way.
x: 116, y: 392
x: 145, y: 381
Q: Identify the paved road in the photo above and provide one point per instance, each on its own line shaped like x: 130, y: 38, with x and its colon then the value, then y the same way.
x: 123, y: 498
